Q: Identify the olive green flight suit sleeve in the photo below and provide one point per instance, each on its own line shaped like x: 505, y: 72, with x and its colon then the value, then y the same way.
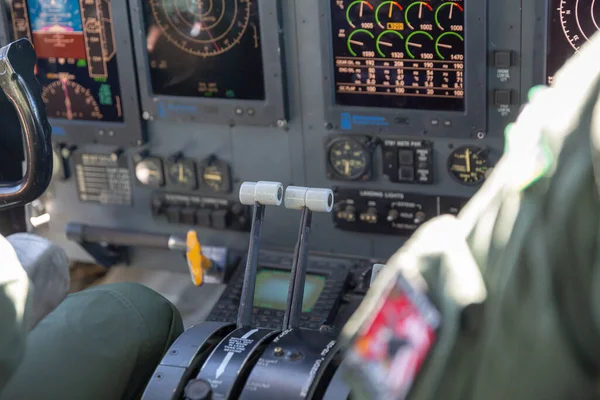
x: 14, y: 290
x: 527, y: 248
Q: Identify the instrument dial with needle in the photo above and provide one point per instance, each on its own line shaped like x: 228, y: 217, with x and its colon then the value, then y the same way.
x: 65, y: 98
x: 390, y: 44
x: 390, y: 15
x: 450, y: 46
x: 216, y: 175
x: 182, y: 173
x: 449, y: 17
x: 419, y: 43
x: 359, y: 11
x: 468, y: 165
x: 358, y: 40
x: 349, y: 159
x: 149, y: 172
x: 417, y: 12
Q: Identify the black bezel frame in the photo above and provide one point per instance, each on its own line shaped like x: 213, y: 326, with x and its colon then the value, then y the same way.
x: 269, y: 112
x: 126, y: 133
x: 410, y: 121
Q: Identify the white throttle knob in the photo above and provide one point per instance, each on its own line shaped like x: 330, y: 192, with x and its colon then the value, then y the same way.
x: 247, y: 193
x: 264, y: 193
x: 319, y: 200
x: 295, y: 197
x: 269, y: 193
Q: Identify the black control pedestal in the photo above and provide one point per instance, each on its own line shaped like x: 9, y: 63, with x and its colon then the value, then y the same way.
x: 292, y: 366
x: 183, y: 357
x: 231, y: 361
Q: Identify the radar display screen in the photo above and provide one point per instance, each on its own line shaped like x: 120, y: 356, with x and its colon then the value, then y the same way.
x: 205, y: 48
x: 401, y: 54
x: 272, y: 289
x: 77, y: 61
x: 572, y: 24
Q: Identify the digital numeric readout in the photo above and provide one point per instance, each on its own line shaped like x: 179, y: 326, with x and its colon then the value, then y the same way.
x: 399, y: 54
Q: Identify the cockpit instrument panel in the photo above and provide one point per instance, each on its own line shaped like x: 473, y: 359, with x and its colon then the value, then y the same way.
x: 78, y: 67
x: 572, y: 24
x: 211, y: 59
x: 395, y: 58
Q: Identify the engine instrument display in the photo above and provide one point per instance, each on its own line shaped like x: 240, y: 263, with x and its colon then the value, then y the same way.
x: 572, y: 24
x: 403, y: 54
x: 205, y: 49
x: 77, y: 62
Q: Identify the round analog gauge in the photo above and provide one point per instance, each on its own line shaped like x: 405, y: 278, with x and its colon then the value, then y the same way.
x: 468, y: 165
x: 360, y: 40
x: 349, y: 159
x: 359, y: 12
x: 390, y: 44
x: 213, y: 177
x: 416, y: 13
x: 149, y: 172
x: 390, y: 15
x: 202, y: 28
x: 183, y: 174
x: 449, y: 46
x: 449, y: 17
x: 580, y: 20
x: 215, y: 174
x: 420, y: 44
x: 67, y: 99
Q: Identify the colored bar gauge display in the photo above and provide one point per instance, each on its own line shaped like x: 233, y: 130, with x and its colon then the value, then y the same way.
x: 399, y: 54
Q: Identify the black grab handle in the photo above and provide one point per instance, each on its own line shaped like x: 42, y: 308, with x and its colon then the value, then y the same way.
x: 17, y: 80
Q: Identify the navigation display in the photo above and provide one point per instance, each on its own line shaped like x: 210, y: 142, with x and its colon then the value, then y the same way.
x: 77, y: 62
x: 272, y: 289
x: 205, y: 48
x: 402, y: 54
x: 572, y: 24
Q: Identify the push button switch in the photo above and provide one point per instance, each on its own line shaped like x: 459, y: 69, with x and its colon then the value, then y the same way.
x: 502, y: 59
x: 173, y: 214
x: 203, y: 218
x: 407, y: 174
x: 188, y: 216
x: 502, y: 97
x: 406, y: 157
x: 220, y: 219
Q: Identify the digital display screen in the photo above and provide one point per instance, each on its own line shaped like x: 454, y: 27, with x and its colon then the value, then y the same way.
x: 272, y: 289
x: 401, y: 54
x: 205, y: 48
x: 77, y: 61
x: 572, y: 24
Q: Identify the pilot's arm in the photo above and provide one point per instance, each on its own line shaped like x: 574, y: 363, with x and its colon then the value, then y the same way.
x: 14, y: 290
x: 528, y: 243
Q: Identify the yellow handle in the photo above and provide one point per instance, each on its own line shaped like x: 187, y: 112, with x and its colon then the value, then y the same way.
x: 197, y: 261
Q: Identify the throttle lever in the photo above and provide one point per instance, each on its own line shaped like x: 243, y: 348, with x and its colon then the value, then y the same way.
x: 18, y: 82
